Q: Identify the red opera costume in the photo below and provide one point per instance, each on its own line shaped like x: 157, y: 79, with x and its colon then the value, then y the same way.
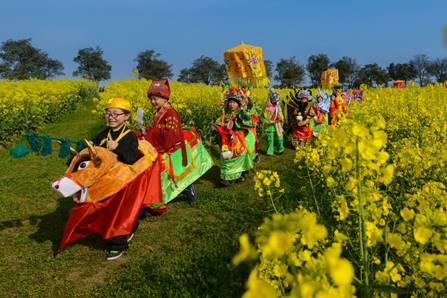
x: 165, y: 132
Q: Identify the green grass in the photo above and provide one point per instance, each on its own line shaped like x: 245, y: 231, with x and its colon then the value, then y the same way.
x: 184, y: 253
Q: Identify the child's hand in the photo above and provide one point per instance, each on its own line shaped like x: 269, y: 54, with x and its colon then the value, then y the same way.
x: 112, y: 145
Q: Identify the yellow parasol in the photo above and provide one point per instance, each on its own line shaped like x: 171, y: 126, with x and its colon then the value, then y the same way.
x: 245, y: 63
x: 329, y: 78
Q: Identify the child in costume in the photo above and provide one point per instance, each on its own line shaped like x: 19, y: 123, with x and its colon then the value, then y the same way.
x: 110, y: 183
x: 357, y: 94
x: 319, y: 112
x: 183, y: 157
x: 165, y: 132
x: 238, y: 137
x: 274, y: 120
x: 301, y: 130
x: 119, y: 139
x: 334, y: 108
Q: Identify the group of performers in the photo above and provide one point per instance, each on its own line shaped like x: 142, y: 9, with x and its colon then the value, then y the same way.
x: 306, y: 116
x: 163, y: 160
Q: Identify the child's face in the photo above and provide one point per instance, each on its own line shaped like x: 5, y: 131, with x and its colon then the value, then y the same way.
x: 158, y: 102
x: 233, y: 105
x: 115, y: 117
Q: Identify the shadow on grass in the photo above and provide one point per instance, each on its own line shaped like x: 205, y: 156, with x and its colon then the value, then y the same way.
x: 213, y: 176
x: 202, y: 276
x: 51, y: 227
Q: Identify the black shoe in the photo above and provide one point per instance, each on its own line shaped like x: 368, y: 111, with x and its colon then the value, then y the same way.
x: 240, y: 179
x: 114, y: 254
x: 190, y: 193
x: 257, y: 159
x: 225, y: 182
x: 144, y: 213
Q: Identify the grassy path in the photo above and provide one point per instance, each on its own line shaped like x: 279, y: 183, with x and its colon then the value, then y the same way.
x: 184, y: 253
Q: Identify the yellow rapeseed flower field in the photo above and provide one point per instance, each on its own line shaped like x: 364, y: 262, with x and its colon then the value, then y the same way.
x: 25, y: 105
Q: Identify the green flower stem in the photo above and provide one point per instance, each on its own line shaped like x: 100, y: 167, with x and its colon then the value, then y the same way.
x: 362, y: 226
x: 313, y: 191
x: 271, y: 200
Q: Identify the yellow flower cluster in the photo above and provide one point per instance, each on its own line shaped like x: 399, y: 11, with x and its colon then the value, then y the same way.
x: 295, y: 258
x: 267, y: 183
x: 25, y: 105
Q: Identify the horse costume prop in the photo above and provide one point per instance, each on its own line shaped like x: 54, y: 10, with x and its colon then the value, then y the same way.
x: 232, y: 143
x: 108, y: 194
x: 237, y: 151
x: 175, y: 175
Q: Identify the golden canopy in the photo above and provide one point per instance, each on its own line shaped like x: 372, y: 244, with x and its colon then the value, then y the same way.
x: 245, y: 63
x: 329, y: 78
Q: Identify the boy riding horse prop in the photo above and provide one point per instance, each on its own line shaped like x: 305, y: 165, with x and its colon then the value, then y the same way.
x: 108, y: 194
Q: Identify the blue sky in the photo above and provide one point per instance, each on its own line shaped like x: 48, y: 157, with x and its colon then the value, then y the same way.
x: 181, y: 31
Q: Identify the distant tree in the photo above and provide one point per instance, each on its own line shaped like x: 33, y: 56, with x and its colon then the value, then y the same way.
x: 421, y: 64
x: 185, y: 76
x: 438, y: 69
x: 92, y: 65
x: 290, y: 72
x: 372, y: 74
x: 19, y: 60
x: 222, y: 74
x: 347, y: 68
x: 151, y: 67
x: 206, y: 70
x: 268, y: 68
x: 316, y: 64
x: 404, y: 71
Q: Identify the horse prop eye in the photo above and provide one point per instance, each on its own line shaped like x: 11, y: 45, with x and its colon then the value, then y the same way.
x: 83, y: 165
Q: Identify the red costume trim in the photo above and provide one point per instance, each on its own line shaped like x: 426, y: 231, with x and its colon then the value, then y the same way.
x: 116, y: 215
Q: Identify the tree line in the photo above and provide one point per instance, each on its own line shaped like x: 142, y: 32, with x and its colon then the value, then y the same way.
x: 20, y: 60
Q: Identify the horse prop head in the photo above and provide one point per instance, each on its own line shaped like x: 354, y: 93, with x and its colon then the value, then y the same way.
x: 231, y: 144
x: 95, y: 173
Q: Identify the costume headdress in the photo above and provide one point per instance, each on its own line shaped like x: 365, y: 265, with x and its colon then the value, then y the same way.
x: 159, y: 88
x: 239, y: 95
x: 273, y: 96
x: 325, y: 100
